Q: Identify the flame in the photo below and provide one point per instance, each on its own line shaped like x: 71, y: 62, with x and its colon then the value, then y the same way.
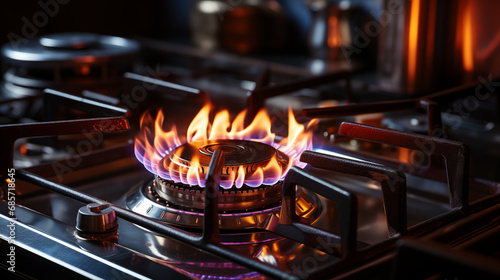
x: 412, y: 42
x: 467, y: 51
x: 153, y: 143
x: 334, y: 37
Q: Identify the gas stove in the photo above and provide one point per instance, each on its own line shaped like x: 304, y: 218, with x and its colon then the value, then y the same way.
x: 177, y: 163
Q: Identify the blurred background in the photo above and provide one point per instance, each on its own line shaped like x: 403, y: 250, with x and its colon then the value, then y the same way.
x: 410, y: 47
x: 158, y: 19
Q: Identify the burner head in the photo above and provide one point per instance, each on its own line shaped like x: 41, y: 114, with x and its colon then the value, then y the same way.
x: 239, y: 154
x: 66, y: 62
x: 241, y: 204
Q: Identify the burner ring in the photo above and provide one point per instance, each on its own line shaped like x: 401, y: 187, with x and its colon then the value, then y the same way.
x: 229, y: 200
x: 67, y: 62
x: 146, y: 201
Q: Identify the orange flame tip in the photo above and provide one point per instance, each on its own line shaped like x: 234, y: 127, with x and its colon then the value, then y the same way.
x: 153, y: 143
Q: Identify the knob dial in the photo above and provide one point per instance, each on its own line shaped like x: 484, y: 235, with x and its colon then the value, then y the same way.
x: 96, y: 218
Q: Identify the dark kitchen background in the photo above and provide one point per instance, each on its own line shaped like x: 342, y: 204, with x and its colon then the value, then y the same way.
x: 157, y: 19
x: 298, y: 27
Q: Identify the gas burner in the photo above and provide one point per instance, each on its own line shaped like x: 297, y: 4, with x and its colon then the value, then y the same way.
x: 241, y: 207
x: 66, y: 61
x: 241, y: 156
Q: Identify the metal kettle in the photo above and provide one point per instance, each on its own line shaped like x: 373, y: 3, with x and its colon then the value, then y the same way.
x: 241, y: 26
x: 337, y: 32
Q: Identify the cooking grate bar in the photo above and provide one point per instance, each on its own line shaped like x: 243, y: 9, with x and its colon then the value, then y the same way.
x: 392, y: 181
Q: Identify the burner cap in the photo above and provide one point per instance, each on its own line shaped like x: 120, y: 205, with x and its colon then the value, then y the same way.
x: 65, y: 49
x: 73, y: 41
x: 238, y: 153
x: 67, y: 62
